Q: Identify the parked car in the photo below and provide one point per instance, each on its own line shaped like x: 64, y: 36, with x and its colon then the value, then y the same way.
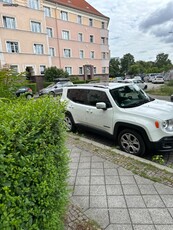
x: 123, y: 111
x: 25, y: 91
x: 137, y: 78
x: 158, y: 79
x: 55, y: 88
x: 171, y: 98
x: 140, y: 83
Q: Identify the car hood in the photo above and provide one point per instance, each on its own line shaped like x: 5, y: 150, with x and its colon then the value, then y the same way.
x: 157, y: 109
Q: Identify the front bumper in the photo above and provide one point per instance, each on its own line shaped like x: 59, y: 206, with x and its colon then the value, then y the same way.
x: 163, y: 145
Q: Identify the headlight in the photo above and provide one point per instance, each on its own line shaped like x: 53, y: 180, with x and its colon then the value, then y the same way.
x: 168, y: 125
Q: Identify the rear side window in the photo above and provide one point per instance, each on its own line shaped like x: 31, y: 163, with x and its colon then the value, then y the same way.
x: 77, y: 95
x: 88, y: 97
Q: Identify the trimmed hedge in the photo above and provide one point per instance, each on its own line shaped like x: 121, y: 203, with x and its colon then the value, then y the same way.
x: 33, y: 165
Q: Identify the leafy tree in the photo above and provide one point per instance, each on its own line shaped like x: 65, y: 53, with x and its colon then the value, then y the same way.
x: 126, y: 62
x: 10, y: 82
x: 51, y: 73
x: 162, y: 62
x: 114, y: 67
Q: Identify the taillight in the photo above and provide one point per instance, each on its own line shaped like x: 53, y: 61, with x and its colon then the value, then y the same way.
x: 29, y: 90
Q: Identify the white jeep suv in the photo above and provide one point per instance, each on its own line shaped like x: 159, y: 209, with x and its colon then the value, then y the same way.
x: 124, y: 111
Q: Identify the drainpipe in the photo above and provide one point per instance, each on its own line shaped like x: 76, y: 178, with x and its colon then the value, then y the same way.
x: 57, y: 36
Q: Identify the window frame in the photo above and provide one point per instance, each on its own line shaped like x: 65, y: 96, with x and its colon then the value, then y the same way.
x: 34, y: 4
x: 36, y: 27
x: 65, y: 52
x: 64, y: 15
x: 65, y: 34
x: 47, y: 11
x: 38, y: 47
x: 49, y: 31
x: 13, y: 45
x: 9, y: 22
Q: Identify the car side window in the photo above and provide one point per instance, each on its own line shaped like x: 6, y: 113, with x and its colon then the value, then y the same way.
x: 95, y: 96
x: 77, y: 95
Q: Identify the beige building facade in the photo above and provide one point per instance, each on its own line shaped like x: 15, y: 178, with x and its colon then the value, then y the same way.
x: 68, y: 34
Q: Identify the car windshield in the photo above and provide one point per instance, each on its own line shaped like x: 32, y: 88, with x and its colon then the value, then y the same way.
x: 129, y: 96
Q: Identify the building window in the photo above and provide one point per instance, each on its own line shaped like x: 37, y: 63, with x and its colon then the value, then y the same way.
x: 9, y: 22
x: 42, y: 69
x: 7, y: 1
x: 38, y: 48
x: 67, y: 53
x: 80, y: 70
x: 95, y: 70
x: 68, y: 70
x: 79, y: 19
x: 52, y: 52
x: 102, y: 40
x: 103, y: 25
x: 49, y: 32
x: 90, y: 22
x: 81, y: 54
x: 92, y: 54
x: 91, y: 38
x: 34, y: 4
x: 80, y: 37
x: 64, y: 15
x: 103, y: 55
x: 36, y: 27
x: 103, y: 69
x: 14, y: 68
x: 65, y: 35
x: 12, y: 47
x: 47, y: 12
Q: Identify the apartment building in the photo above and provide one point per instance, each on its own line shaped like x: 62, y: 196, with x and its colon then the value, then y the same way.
x: 68, y: 34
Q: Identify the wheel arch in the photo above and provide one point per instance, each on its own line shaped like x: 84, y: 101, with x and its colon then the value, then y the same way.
x: 119, y: 126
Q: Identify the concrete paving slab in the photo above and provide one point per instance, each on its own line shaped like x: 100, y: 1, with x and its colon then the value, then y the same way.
x: 116, y: 198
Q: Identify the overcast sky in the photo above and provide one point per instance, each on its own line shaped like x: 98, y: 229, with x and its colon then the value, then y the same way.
x: 139, y: 27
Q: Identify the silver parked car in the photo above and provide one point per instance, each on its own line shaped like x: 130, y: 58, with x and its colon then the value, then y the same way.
x: 55, y: 88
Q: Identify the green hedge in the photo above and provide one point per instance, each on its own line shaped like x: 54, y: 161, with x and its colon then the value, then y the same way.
x: 33, y: 165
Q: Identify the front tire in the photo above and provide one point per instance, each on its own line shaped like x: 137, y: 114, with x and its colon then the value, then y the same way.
x: 131, y: 142
x: 70, y: 125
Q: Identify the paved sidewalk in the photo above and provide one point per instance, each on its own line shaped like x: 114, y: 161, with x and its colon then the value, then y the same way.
x: 116, y: 198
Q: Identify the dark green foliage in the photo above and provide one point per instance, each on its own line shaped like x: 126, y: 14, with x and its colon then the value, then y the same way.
x: 10, y: 82
x: 51, y: 73
x: 33, y: 165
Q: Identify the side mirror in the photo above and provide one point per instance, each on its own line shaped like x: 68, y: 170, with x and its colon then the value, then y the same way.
x: 101, y: 105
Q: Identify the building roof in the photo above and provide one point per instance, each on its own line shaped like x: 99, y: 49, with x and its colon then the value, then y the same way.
x: 79, y: 5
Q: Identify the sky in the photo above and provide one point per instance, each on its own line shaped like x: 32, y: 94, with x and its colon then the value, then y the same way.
x: 139, y: 27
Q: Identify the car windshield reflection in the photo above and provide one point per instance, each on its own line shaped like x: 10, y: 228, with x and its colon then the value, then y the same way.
x: 129, y: 96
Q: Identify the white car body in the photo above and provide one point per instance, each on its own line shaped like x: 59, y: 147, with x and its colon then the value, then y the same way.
x: 152, y: 119
x: 158, y: 79
x: 138, y: 82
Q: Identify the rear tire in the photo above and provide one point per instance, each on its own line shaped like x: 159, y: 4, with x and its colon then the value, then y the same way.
x: 131, y: 142
x: 70, y: 125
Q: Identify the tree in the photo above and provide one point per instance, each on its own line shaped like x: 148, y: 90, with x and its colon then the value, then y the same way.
x: 51, y: 73
x: 10, y: 82
x: 162, y: 62
x: 114, y: 67
x: 126, y: 62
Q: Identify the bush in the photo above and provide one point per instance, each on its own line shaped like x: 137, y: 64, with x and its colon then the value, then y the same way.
x: 10, y: 82
x: 33, y: 164
x: 51, y: 73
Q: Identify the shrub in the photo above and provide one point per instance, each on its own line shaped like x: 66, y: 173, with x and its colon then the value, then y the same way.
x: 51, y: 73
x: 33, y: 164
x: 10, y: 82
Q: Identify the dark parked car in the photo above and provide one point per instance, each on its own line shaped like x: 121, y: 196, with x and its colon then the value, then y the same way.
x: 172, y: 97
x: 26, y: 91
